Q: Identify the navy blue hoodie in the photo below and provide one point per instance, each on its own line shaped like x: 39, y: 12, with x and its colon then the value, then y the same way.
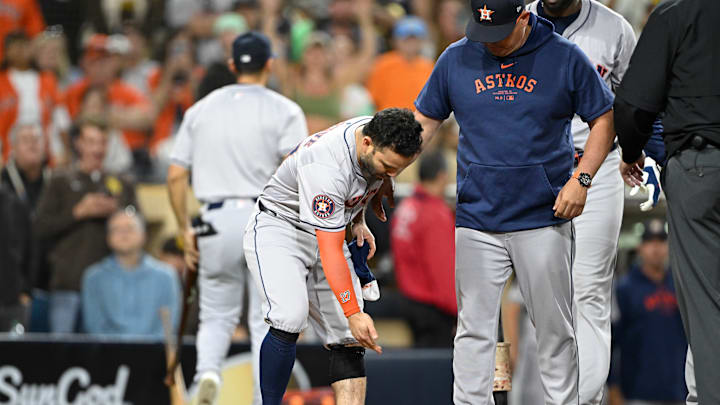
x: 515, y: 151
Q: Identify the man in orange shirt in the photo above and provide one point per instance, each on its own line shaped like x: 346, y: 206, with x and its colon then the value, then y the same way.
x: 20, y: 15
x: 131, y: 112
x: 399, y: 75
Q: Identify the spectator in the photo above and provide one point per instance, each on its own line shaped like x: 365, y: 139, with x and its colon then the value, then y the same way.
x: 51, y: 55
x: 26, y: 172
x: 136, y: 63
x: 451, y: 17
x: 422, y: 239
x: 15, y: 256
x: 72, y: 213
x: 226, y: 28
x: 399, y: 75
x: 28, y: 96
x: 130, y: 111
x: 173, y: 86
x: 96, y: 106
x: 648, y: 332
x: 21, y: 15
x: 123, y: 294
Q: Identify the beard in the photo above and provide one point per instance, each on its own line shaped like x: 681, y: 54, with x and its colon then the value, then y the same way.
x: 367, y: 168
x: 557, y: 6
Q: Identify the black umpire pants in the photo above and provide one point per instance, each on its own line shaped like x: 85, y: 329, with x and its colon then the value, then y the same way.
x: 692, y: 188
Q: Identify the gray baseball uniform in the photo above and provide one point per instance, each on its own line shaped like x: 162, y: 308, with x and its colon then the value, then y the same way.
x: 233, y: 140
x: 608, y: 40
x: 319, y: 186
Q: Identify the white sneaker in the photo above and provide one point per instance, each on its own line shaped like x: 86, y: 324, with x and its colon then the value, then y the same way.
x: 208, y: 387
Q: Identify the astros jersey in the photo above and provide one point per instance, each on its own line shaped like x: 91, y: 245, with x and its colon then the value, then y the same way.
x: 320, y: 185
x: 610, y: 56
x: 234, y: 159
x: 515, y: 150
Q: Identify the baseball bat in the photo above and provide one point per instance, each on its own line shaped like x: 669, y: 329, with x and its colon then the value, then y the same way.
x: 188, y: 286
x: 178, y: 392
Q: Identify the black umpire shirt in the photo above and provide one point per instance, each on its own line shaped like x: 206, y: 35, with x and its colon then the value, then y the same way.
x: 675, y: 68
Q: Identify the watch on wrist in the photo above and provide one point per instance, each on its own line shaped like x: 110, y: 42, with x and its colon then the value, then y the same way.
x: 584, y: 179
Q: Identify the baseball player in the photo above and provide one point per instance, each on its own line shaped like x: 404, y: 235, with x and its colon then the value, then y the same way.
x: 514, y: 87
x: 232, y: 140
x: 296, y: 251
x: 608, y: 40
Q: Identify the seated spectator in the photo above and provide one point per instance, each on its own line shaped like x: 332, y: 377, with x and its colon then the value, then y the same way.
x: 130, y: 111
x: 27, y: 95
x: 647, y: 330
x: 136, y: 63
x: 15, y: 259
x: 26, y: 172
x: 423, y: 245
x: 51, y: 54
x: 72, y: 214
x: 123, y: 294
x: 24, y: 15
x: 399, y: 75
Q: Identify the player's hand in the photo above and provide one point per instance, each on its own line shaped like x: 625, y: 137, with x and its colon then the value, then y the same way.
x: 570, y: 202
x: 632, y: 173
x: 650, y: 185
x: 386, y: 190
x: 361, y: 233
x: 363, y: 330
x: 192, y: 256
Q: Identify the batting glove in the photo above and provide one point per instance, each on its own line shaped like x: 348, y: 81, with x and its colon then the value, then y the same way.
x: 358, y: 255
x: 651, y: 185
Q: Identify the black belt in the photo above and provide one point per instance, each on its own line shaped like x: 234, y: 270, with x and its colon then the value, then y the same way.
x: 698, y: 142
x: 219, y: 204
x: 579, y: 152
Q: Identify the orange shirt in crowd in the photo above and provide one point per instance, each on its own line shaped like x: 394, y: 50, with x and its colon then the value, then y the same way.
x: 396, y: 82
x: 48, y: 97
x: 166, y: 119
x: 119, y: 94
x: 19, y: 15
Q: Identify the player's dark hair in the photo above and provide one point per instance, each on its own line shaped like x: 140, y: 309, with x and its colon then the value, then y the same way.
x: 432, y: 164
x: 395, y: 128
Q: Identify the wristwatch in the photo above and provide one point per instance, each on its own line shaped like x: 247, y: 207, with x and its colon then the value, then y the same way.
x: 584, y: 179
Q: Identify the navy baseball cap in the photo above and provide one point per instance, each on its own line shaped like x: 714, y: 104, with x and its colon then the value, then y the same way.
x: 654, y: 229
x: 493, y: 20
x: 250, y: 51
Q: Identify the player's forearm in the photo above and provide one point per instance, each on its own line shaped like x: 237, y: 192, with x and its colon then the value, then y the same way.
x: 177, y: 183
x: 598, y: 144
x: 429, y: 125
x: 337, y: 271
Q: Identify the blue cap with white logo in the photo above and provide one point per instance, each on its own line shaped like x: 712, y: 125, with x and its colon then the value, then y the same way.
x: 250, y: 51
x: 493, y: 20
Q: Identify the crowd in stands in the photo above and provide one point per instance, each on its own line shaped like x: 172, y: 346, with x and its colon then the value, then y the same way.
x: 92, y: 94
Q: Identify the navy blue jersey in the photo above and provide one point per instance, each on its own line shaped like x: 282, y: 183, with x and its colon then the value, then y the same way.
x: 648, y: 333
x: 515, y: 151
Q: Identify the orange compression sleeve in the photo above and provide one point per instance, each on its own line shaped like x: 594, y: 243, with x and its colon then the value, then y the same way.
x: 336, y: 269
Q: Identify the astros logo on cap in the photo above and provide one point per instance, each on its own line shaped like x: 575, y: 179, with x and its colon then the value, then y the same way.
x: 485, y: 13
x: 323, y: 206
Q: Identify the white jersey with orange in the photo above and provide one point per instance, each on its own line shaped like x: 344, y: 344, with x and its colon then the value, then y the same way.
x: 320, y: 184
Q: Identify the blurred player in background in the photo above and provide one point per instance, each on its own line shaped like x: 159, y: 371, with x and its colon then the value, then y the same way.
x: 232, y: 140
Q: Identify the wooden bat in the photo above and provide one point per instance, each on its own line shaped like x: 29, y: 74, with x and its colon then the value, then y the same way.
x: 178, y: 392
x: 188, y: 286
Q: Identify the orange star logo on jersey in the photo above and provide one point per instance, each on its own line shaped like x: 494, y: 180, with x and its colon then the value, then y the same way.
x: 485, y: 13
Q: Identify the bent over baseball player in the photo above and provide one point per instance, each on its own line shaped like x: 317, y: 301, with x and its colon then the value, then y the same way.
x: 514, y: 86
x: 296, y: 251
x: 232, y: 141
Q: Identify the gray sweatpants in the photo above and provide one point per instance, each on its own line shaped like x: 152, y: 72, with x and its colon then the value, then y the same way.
x: 692, y: 187
x: 542, y: 260
x: 222, y: 282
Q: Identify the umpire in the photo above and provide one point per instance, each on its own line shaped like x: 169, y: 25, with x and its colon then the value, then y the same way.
x: 674, y: 69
